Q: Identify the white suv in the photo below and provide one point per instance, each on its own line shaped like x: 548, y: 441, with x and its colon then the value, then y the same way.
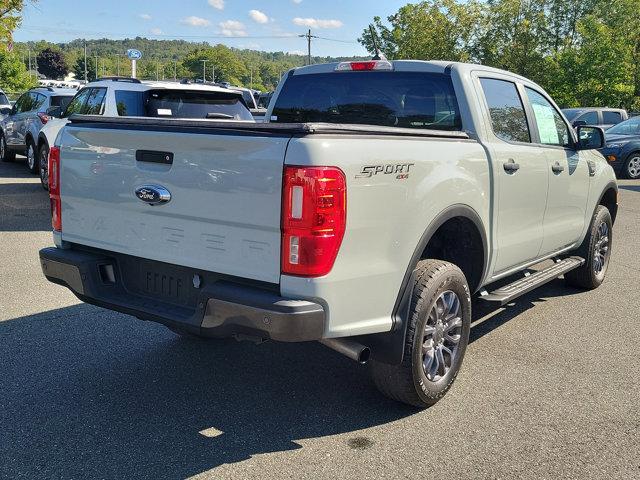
x: 130, y: 97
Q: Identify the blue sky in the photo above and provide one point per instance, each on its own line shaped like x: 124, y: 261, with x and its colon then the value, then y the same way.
x: 238, y: 23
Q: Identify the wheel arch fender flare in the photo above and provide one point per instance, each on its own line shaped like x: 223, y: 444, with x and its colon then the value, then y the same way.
x: 388, y: 347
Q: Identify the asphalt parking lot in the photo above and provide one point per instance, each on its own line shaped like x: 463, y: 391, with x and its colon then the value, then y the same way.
x: 550, y: 386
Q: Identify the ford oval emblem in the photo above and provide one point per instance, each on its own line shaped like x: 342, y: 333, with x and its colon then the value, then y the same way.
x: 153, y: 194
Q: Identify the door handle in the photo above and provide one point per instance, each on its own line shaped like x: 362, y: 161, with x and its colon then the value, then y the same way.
x: 557, y: 168
x: 511, y: 166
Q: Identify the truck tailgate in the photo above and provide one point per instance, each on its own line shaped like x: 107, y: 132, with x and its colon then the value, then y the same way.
x: 225, y: 187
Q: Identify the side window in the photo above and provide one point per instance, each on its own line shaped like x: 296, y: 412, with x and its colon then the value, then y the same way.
x: 130, y: 103
x: 39, y: 101
x: 95, y: 102
x: 609, y: 117
x: 507, y: 112
x: 589, y: 118
x: 22, y: 102
x: 551, y: 127
x: 75, y: 105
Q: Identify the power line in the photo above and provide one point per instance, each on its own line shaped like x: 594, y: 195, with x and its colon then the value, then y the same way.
x: 132, y: 36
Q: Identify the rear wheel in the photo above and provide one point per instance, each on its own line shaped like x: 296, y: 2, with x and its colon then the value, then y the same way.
x: 436, y: 340
x: 32, y: 158
x: 596, y: 250
x: 632, y: 166
x: 43, y: 165
x: 5, y: 154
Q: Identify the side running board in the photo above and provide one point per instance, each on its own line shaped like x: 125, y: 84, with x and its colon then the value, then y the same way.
x: 504, y: 295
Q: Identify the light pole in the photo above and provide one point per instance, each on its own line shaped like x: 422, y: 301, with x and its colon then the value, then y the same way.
x: 204, y: 70
x: 118, y: 55
x: 213, y: 73
x: 86, y: 76
x: 175, y: 70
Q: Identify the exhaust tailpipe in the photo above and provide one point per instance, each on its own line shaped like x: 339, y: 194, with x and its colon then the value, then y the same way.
x: 353, y: 350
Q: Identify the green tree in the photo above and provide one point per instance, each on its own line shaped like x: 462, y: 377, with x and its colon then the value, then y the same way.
x: 228, y: 66
x: 13, y: 74
x: 78, y: 69
x: 52, y: 63
x: 10, y: 17
x: 432, y: 29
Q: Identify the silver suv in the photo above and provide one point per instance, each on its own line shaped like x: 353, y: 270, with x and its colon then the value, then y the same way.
x: 19, y: 129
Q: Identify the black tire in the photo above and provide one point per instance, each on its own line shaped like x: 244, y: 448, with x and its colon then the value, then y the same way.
x: 34, y: 167
x: 5, y: 154
x: 43, y: 165
x: 589, y: 276
x: 631, y: 168
x: 408, y: 382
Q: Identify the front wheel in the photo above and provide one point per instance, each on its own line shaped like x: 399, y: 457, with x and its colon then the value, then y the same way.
x: 596, y: 250
x: 632, y: 166
x: 436, y: 339
x: 43, y: 165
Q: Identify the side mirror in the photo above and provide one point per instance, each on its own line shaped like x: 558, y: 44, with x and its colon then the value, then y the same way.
x: 54, y: 112
x: 590, y: 138
x: 5, y: 110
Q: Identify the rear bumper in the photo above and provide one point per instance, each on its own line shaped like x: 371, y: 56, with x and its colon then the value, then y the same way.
x: 218, y: 306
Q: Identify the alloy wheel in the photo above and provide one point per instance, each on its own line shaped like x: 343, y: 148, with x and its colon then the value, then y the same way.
x: 31, y: 157
x: 601, y: 250
x: 633, y: 167
x: 441, y: 336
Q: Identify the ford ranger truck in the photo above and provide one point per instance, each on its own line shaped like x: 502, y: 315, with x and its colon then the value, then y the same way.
x: 375, y: 201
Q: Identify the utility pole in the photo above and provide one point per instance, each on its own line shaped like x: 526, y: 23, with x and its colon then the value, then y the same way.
x: 308, y: 36
x: 157, y: 70
x: 213, y: 73
x: 29, y: 63
x: 97, y: 72
x: 86, y: 76
x: 204, y: 70
x: 175, y: 70
x: 251, y: 77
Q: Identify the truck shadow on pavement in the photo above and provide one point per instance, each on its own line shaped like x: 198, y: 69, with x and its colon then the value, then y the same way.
x: 85, y: 392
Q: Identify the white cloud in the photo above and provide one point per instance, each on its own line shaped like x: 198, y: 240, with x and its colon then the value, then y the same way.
x: 297, y: 52
x: 155, y: 31
x: 258, y: 16
x: 297, y: 2
x: 317, y: 23
x: 194, y: 21
x: 233, y: 28
x: 145, y: 16
x: 219, y: 4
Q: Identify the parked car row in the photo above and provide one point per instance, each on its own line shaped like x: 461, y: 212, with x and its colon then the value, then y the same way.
x: 33, y: 123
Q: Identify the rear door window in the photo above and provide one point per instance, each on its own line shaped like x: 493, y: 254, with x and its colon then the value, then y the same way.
x: 95, y: 102
x: 76, y: 104
x: 590, y: 118
x: 506, y: 110
x: 3, y: 99
x: 395, y: 99
x: 609, y: 117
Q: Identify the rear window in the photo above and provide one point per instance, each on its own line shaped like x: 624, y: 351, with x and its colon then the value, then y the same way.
x: 611, y: 117
x: 3, y: 99
x: 58, y: 100
x: 182, y: 104
x: 394, y: 99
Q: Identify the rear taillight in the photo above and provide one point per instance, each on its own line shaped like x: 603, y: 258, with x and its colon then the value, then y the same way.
x: 54, y: 188
x: 44, y: 118
x: 314, y: 214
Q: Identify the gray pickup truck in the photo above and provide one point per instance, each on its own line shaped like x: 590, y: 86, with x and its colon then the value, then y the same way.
x: 378, y: 198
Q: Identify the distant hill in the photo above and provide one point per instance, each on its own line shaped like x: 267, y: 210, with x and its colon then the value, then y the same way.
x: 166, y: 58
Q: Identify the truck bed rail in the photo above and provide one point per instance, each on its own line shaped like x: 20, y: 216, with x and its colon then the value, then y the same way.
x: 249, y: 128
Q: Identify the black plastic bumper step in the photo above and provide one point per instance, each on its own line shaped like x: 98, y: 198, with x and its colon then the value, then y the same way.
x: 504, y: 295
